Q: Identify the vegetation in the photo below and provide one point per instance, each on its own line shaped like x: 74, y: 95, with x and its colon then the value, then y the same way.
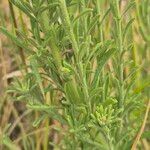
x: 79, y: 76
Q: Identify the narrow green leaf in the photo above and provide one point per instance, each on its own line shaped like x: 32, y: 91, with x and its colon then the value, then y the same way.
x: 102, y: 62
x: 16, y: 40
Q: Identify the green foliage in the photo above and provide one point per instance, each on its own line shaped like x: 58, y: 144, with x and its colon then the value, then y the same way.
x: 69, y: 57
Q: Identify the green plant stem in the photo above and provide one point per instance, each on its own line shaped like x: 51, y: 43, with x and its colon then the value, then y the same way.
x: 84, y: 18
x: 68, y: 26
x: 102, y: 40
x: 69, y: 29
x: 100, y: 13
x: 120, y: 48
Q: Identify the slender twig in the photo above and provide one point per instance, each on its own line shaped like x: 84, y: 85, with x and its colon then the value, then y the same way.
x: 17, y: 121
x: 137, y: 139
x: 4, y: 69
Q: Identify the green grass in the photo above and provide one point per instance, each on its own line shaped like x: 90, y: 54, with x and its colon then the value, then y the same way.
x: 84, y: 74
